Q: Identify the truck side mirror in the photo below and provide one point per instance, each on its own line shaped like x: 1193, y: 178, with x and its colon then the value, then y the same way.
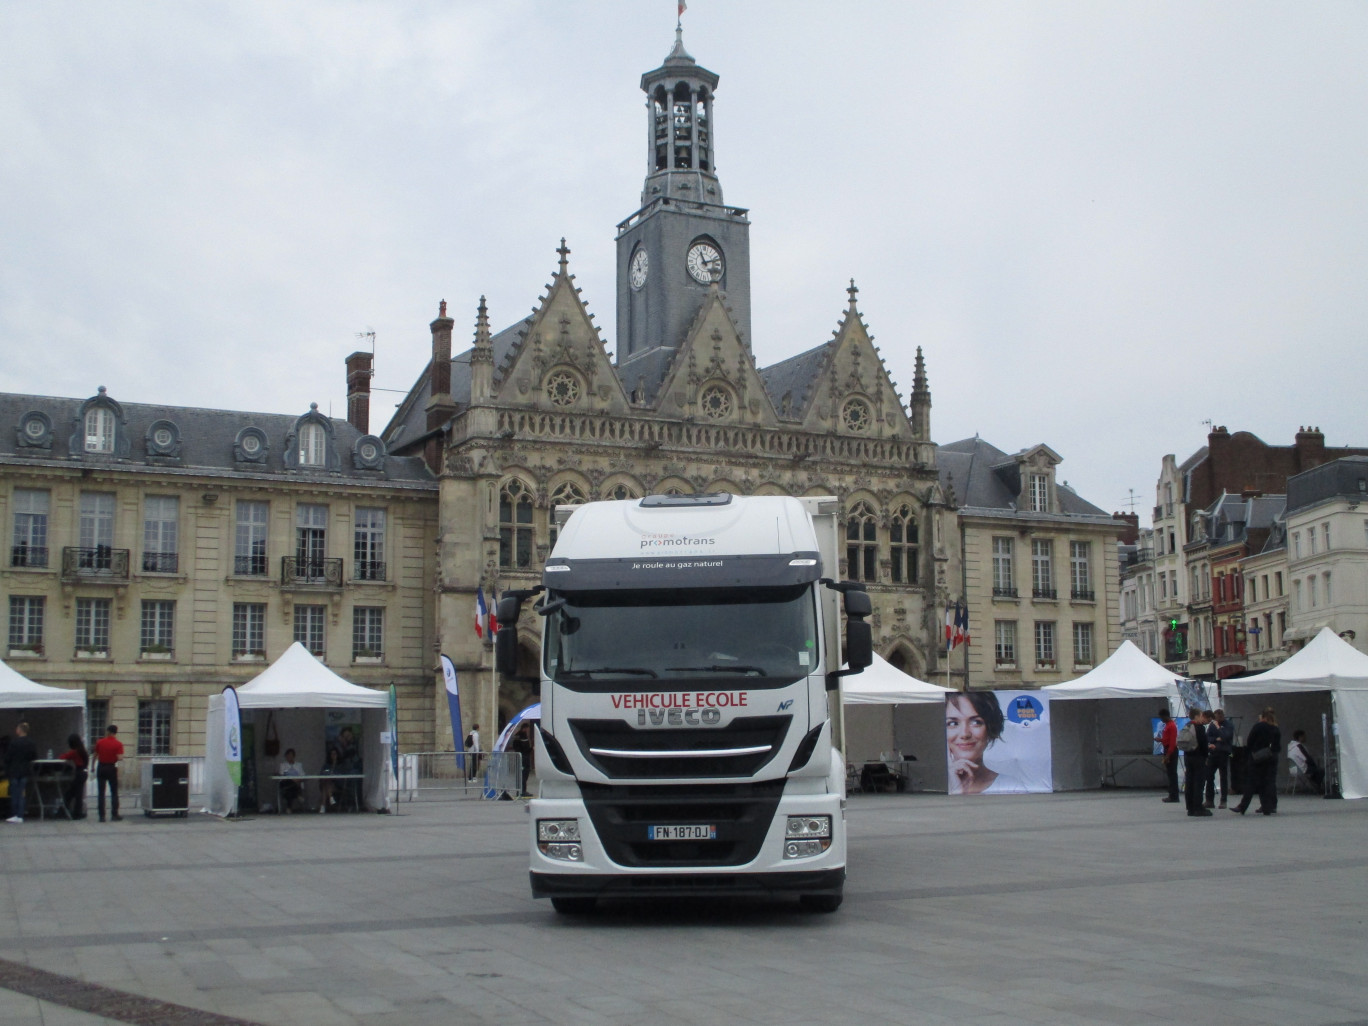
x: 857, y: 603
x: 506, y: 637
x: 859, y: 650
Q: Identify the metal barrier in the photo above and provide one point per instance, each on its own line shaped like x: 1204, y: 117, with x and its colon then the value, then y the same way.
x: 130, y: 778
x: 427, y: 776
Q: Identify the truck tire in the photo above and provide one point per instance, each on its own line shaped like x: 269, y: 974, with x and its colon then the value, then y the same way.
x: 573, y: 906
x: 820, y: 902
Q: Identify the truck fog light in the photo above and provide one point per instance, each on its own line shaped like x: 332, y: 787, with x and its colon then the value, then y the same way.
x: 563, y: 852
x: 806, y: 836
x: 558, y: 830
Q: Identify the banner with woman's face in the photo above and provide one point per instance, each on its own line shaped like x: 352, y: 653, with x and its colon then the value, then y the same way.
x: 998, y: 742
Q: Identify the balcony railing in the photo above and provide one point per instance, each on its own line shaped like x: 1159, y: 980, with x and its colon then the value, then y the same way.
x: 160, y: 562
x: 317, y: 573
x: 1084, y: 595
x: 29, y: 555
x: 1044, y: 593
x: 98, y: 564
x: 249, y: 566
x: 369, y: 570
x: 1004, y: 592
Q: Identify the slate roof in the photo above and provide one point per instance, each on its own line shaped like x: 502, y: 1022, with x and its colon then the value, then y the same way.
x: 796, y: 376
x: 980, y: 476
x: 207, y: 439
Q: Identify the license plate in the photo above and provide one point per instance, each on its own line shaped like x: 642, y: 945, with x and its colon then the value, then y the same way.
x: 688, y: 832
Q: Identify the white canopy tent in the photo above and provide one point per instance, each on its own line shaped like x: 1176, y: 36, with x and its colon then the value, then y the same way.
x: 297, y: 690
x: 1101, y: 722
x: 887, y: 710
x: 1330, y: 664
x: 53, y: 714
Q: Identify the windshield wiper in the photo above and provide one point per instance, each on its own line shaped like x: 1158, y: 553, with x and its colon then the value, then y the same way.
x: 636, y: 671
x: 729, y: 668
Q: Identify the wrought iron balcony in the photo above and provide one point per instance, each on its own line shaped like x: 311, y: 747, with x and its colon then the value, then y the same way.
x: 1004, y: 592
x: 1044, y: 593
x: 369, y: 570
x: 1084, y: 595
x: 100, y: 563
x: 29, y: 555
x: 307, y: 572
x: 160, y: 562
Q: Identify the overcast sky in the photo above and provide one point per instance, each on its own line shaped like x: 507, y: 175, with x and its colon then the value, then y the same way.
x: 1105, y: 223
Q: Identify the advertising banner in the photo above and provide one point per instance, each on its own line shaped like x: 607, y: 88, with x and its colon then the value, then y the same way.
x: 998, y: 742
x: 232, y: 735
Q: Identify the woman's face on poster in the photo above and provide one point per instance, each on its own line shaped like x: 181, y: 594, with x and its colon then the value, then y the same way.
x: 966, y: 733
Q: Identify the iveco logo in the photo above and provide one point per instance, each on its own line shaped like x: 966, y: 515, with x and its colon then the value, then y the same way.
x: 678, y: 717
x: 786, y: 705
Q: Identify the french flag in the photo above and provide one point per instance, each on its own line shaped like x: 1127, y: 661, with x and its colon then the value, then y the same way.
x: 961, y: 624
x: 481, y: 614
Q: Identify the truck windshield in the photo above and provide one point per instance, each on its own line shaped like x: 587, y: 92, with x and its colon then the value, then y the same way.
x: 633, y: 640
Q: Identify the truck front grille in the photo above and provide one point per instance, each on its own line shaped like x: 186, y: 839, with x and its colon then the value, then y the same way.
x: 623, y: 752
x: 742, y: 814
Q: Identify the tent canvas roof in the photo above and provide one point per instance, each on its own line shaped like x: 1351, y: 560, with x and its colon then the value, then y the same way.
x: 1126, y: 673
x: 18, y: 692
x: 881, y: 683
x: 1328, y: 662
x: 298, y: 680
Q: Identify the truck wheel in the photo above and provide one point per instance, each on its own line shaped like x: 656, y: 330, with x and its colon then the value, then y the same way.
x: 573, y: 906
x: 820, y: 902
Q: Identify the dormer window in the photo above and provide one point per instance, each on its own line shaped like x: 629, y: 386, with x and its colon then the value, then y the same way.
x: 1040, y: 493
x: 313, y: 446
x: 99, y: 430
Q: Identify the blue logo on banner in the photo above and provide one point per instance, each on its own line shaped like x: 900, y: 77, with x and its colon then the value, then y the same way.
x: 1025, y: 709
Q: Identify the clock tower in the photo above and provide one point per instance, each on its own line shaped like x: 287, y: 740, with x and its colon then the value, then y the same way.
x: 683, y: 238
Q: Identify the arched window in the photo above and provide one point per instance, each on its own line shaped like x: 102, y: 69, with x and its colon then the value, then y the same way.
x: 903, y: 544
x: 99, y: 429
x: 567, y: 493
x: 862, y: 544
x: 313, y: 445
x: 515, y: 525
x: 623, y: 491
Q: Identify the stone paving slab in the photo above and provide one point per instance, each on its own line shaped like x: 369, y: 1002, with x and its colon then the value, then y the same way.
x: 1087, y: 908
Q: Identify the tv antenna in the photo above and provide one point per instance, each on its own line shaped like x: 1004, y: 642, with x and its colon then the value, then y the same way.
x: 1131, y: 500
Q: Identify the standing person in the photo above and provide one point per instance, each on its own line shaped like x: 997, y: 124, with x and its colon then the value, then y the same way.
x: 1220, y: 740
x: 1167, y: 739
x: 1263, y: 745
x: 19, y: 758
x: 79, y: 758
x: 1196, y: 765
x: 108, y: 751
x: 472, y: 747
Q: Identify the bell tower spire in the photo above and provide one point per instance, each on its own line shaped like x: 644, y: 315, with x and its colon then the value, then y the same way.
x: 683, y: 239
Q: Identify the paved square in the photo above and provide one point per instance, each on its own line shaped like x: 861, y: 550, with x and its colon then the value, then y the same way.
x: 1096, y: 907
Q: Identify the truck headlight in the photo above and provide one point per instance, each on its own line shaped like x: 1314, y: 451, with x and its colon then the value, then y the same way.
x: 805, y: 836
x: 560, y: 839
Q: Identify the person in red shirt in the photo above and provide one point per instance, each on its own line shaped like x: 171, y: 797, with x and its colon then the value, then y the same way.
x: 79, y: 758
x: 108, y: 751
x: 1168, y: 739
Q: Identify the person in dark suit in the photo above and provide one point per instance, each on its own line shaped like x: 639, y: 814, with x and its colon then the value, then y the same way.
x: 1264, y: 746
x: 1195, y: 761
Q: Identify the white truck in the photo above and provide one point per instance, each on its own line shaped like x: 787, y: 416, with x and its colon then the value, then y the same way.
x: 690, y: 644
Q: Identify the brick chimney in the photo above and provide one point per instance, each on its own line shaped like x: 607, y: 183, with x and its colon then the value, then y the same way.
x: 1129, y: 532
x: 358, y: 391
x: 1310, y: 445
x: 439, y: 404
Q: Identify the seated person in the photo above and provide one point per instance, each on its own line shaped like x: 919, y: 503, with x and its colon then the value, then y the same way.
x: 291, y: 791
x: 74, y: 795
x: 1300, y: 755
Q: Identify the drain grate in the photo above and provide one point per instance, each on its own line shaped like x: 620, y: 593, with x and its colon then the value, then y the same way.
x: 105, y: 1001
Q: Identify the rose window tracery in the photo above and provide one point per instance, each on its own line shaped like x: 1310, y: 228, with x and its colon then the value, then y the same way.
x: 562, y: 388
x: 715, y: 402
x: 856, y: 415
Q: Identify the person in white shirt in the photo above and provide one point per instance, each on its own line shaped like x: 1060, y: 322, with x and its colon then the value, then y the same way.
x: 1300, y: 755
x: 291, y: 791
x: 472, y: 747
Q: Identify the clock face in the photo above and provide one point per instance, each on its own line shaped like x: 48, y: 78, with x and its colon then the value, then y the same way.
x: 641, y: 267
x: 705, y: 263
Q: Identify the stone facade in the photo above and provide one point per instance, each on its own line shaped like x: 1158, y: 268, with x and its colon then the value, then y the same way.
x: 540, y: 414
x: 1041, y: 569
x: 157, y: 554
